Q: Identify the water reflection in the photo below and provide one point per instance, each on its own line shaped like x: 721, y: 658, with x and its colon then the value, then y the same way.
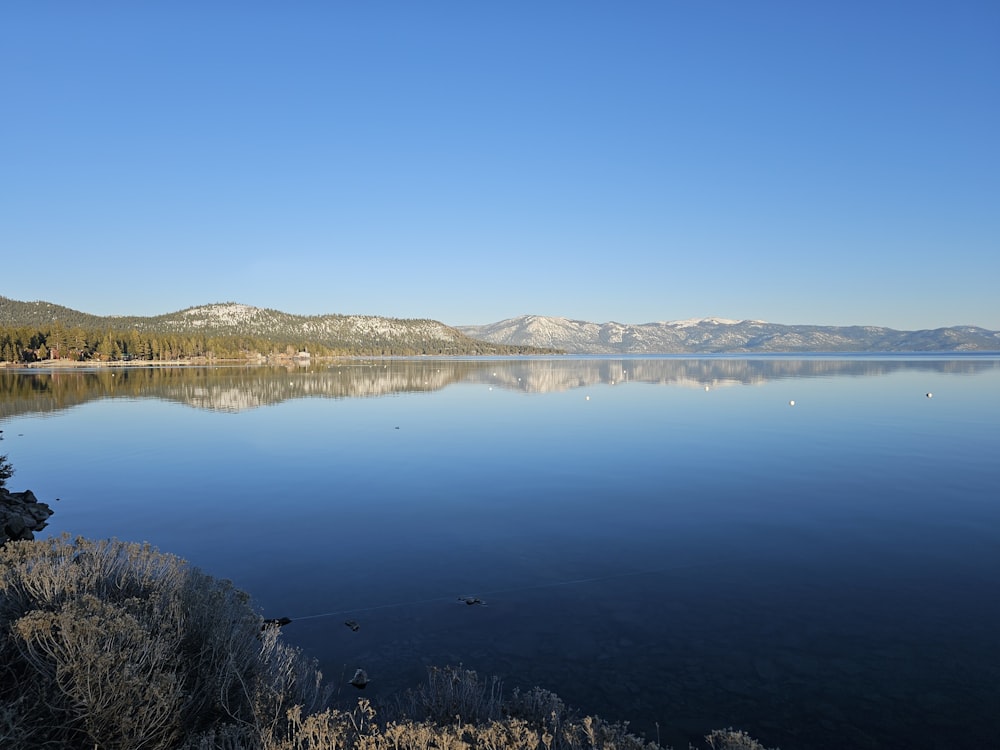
x: 235, y: 389
x: 822, y: 576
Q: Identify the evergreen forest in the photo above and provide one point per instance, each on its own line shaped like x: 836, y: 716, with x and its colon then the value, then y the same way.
x: 53, y: 342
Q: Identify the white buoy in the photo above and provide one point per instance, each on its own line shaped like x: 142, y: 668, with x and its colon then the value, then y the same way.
x: 588, y: 398
x: 791, y: 403
x: 930, y: 395
x: 706, y: 387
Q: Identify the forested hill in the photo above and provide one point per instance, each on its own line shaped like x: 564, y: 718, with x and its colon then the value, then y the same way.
x: 42, y: 330
x: 36, y: 314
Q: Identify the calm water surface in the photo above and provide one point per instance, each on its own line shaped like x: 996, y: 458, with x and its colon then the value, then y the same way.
x: 664, y: 541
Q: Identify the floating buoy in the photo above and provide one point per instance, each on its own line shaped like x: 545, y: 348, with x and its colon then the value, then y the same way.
x: 791, y: 403
x: 588, y: 398
x: 930, y: 395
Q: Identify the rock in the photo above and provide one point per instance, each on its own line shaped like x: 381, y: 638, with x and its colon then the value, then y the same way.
x: 278, y: 622
x: 15, y: 526
x: 39, y: 512
x: 360, y: 679
x: 21, y: 515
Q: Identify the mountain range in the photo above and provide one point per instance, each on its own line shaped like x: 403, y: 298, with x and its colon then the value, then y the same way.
x: 721, y: 336
x: 525, y: 334
x: 346, y: 333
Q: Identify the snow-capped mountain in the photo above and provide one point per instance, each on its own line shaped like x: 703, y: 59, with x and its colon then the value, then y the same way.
x: 719, y: 335
x: 539, y: 333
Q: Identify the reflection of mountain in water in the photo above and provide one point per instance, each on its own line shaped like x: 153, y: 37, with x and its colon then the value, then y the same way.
x: 235, y: 389
x: 229, y: 389
x: 542, y: 376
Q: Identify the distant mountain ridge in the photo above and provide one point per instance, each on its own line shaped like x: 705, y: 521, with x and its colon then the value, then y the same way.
x: 525, y: 334
x: 721, y: 336
x: 223, y: 318
x: 369, y: 333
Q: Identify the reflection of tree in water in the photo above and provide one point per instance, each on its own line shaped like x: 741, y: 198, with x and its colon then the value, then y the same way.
x: 240, y: 388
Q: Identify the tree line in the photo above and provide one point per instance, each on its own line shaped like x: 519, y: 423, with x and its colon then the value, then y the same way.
x: 27, y: 344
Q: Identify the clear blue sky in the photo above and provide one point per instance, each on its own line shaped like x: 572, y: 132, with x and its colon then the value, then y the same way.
x: 798, y: 162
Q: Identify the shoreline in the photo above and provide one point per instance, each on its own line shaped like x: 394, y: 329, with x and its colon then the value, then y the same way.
x: 70, y: 364
x: 285, y: 361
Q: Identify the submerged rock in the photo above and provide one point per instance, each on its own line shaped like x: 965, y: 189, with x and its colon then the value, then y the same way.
x: 21, y: 515
x: 360, y: 679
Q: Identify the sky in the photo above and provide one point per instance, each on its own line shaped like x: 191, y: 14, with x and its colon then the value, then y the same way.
x: 829, y: 163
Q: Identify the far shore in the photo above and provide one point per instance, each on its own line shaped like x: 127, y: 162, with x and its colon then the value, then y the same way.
x: 90, y: 364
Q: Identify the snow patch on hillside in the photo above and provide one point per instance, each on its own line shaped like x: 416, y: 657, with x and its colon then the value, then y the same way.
x: 227, y: 314
x: 691, y: 322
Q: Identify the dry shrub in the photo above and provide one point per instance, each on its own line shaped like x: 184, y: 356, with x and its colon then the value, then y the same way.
x: 106, y: 664
x: 533, y: 719
x: 452, y: 693
x: 116, y: 645
x: 359, y: 730
x: 539, y: 707
x: 732, y: 739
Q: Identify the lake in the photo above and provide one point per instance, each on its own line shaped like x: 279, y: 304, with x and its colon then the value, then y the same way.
x: 804, y: 548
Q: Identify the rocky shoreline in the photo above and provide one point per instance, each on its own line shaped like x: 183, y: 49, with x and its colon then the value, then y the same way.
x: 21, y: 515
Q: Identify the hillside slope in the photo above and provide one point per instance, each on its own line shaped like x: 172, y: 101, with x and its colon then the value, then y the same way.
x: 347, y: 333
x: 716, y: 336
